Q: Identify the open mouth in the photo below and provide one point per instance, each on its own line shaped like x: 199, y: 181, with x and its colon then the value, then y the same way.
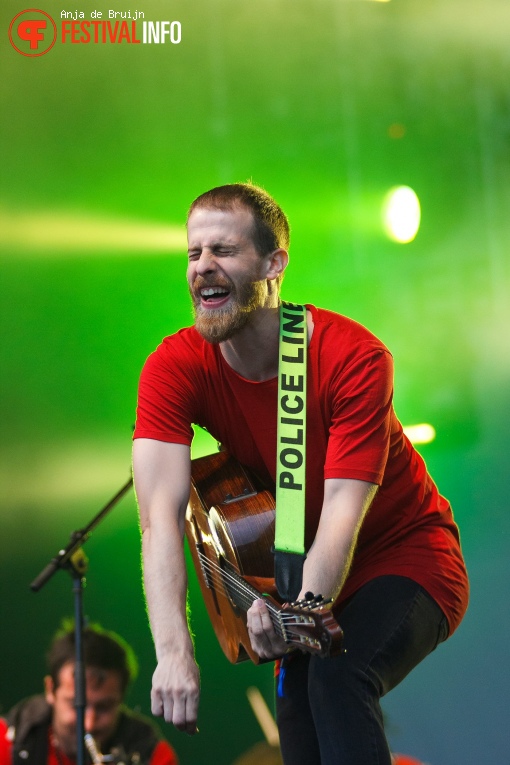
x: 214, y: 296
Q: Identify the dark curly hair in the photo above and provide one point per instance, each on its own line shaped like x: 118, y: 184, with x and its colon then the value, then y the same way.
x: 102, y: 650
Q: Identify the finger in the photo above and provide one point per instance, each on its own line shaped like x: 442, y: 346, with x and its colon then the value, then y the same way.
x: 156, y: 703
x: 264, y: 639
x: 260, y: 621
x: 191, y: 716
x: 263, y: 628
x: 259, y: 638
x: 185, y: 714
x: 267, y: 624
x: 168, y: 707
x: 252, y: 614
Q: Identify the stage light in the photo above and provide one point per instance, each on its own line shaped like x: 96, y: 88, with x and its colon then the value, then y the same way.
x: 420, y: 434
x: 401, y: 214
x: 58, y: 233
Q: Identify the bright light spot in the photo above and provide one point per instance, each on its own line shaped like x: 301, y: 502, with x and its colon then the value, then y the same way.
x: 420, y: 434
x: 69, y: 472
x: 57, y: 233
x: 401, y: 214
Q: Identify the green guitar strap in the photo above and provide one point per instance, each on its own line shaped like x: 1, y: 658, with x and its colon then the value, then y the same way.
x: 291, y: 452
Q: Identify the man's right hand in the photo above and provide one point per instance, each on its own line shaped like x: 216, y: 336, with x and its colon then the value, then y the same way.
x: 176, y: 691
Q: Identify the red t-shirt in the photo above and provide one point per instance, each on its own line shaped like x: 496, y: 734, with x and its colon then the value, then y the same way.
x: 352, y: 432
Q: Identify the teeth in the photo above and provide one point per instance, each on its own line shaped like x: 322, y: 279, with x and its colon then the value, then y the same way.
x: 209, y: 291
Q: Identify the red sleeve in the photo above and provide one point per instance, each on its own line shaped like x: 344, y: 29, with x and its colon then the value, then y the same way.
x: 163, y: 754
x: 165, y: 397
x: 5, y: 744
x: 362, y: 418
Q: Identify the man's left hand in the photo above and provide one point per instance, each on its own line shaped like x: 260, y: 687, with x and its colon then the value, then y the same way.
x: 264, y: 640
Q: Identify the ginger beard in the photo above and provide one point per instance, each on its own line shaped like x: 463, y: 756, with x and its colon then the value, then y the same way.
x: 219, y: 324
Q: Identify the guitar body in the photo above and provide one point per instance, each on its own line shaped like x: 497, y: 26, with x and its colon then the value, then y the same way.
x: 230, y: 522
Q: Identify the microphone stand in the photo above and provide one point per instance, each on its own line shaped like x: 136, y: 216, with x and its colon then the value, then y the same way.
x: 73, y: 559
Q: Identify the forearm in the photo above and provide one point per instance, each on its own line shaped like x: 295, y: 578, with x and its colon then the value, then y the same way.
x: 162, y: 478
x: 329, y: 558
x: 165, y: 584
x: 326, y: 569
x: 161, y: 474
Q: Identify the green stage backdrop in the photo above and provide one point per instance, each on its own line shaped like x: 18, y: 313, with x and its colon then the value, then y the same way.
x: 328, y: 104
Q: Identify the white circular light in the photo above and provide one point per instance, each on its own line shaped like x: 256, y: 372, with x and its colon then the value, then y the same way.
x: 401, y: 214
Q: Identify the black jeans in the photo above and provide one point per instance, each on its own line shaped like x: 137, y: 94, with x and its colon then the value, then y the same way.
x: 330, y: 712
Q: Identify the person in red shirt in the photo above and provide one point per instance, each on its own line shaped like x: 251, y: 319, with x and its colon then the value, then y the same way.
x: 381, y: 541
x: 41, y: 730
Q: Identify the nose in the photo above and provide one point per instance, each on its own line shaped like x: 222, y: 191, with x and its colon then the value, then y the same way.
x: 90, y: 719
x: 206, y: 262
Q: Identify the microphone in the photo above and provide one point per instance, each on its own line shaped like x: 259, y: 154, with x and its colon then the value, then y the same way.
x: 95, y: 754
x: 117, y: 755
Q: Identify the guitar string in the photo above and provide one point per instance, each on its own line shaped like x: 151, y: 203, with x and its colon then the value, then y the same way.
x: 248, y: 596
x: 227, y: 580
x: 219, y: 575
x: 241, y: 587
x: 283, y: 630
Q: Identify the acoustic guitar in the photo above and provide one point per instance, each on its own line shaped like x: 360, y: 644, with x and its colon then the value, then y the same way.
x: 230, y: 530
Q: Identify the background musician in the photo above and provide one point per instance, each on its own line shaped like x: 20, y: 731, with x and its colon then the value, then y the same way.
x: 41, y: 730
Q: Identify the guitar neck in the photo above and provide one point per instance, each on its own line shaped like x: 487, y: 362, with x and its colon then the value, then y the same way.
x: 243, y: 595
x: 310, y: 627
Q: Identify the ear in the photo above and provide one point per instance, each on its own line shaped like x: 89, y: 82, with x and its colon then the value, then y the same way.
x: 277, y: 263
x: 49, y: 690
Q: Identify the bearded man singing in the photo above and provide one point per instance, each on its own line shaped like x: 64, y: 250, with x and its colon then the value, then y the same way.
x: 381, y: 541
